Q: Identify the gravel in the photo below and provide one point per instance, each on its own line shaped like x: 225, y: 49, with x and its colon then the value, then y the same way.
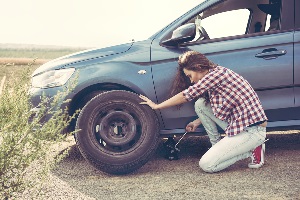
x: 162, y: 179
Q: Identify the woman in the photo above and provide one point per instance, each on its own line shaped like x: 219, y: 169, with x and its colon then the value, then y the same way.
x: 226, y: 99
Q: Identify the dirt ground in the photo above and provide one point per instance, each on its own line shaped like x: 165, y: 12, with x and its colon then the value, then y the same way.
x: 183, y: 179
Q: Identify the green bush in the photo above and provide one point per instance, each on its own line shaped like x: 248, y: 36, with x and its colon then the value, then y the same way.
x: 26, y: 144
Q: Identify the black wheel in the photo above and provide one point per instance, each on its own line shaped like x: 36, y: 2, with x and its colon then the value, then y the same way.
x: 115, y: 133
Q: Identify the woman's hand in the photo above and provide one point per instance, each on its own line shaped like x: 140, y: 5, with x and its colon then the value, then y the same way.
x: 173, y: 101
x: 148, y: 102
x: 192, y: 126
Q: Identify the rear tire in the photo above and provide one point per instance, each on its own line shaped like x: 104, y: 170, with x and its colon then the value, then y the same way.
x: 115, y: 133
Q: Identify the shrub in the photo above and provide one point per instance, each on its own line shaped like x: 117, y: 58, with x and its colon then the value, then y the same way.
x: 26, y: 153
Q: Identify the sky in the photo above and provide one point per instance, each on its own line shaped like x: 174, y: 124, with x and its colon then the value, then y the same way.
x: 86, y: 23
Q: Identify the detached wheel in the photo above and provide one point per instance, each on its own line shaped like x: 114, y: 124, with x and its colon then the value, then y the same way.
x: 115, y: 133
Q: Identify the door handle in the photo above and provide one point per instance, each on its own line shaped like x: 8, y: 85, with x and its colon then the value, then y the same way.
x: 271, y: 53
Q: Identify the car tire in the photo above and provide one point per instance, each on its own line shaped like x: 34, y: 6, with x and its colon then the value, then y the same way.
x: 115, y: 133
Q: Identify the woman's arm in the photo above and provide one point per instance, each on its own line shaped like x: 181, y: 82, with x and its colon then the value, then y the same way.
x: 173, y: 101
x: 191, y: 127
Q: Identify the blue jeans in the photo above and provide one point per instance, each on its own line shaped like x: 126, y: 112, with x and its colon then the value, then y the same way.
x: 225, y: 152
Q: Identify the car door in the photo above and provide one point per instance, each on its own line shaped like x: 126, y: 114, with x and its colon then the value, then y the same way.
x: 264, y: 58
x: 297, y: 58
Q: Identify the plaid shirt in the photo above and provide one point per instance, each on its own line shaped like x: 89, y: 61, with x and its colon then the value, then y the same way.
x: 232, y: 99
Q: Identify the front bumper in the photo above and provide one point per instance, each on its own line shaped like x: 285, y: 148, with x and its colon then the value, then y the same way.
x: 40, y: 97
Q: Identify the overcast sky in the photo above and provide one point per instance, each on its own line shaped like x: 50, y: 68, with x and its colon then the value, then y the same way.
x: 86, y: 23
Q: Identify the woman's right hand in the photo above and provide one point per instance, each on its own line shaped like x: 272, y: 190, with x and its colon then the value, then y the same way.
x: 148, y: 102
x: 192, y: 126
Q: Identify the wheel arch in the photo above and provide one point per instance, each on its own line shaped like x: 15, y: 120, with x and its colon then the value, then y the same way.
x: 87, y: 93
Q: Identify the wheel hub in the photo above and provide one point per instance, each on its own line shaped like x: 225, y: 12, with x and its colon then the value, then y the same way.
x: 117, y: 128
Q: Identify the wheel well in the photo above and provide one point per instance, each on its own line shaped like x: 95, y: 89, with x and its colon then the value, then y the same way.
x: 82, y: 97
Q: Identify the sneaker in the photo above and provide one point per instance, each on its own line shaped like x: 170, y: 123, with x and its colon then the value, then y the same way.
x: 258, y: 157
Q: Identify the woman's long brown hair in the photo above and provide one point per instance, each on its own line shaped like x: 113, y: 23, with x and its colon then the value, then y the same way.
x: 190, y: 60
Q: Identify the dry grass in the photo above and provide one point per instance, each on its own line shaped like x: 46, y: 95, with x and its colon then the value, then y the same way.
x: 2, y: 84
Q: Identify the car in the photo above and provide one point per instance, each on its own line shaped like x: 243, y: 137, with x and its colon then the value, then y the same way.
x: 259, y: 39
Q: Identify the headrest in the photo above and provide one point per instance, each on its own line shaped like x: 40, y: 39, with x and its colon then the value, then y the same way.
x: 271, y: 9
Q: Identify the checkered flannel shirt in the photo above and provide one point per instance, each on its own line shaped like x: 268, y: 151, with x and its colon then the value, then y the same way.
x: 232, y: 99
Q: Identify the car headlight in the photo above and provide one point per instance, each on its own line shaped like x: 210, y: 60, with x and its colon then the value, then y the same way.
x: 52, y: 78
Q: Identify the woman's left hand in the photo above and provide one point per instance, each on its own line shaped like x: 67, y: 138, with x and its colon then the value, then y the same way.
x: 148, y: 102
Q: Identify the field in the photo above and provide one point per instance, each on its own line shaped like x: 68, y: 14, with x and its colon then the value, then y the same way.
x: 14, y: 58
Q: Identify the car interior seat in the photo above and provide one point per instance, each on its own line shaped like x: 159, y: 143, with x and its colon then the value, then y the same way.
x: 273, y: 9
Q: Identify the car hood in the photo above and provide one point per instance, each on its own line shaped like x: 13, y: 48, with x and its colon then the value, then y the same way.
x: 72, y: 59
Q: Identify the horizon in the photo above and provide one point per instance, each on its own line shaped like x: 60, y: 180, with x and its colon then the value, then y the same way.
x: 37, y: 46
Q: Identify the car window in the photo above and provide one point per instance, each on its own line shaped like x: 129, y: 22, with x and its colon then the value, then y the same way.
x: 232, y: 19
x: 225, y: 24
x: 268, y: 23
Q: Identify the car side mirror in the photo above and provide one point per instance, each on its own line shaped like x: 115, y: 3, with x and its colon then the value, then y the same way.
x: 182, y: 34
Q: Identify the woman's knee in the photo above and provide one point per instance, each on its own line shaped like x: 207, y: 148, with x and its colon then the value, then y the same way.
x: 206, y: 165
x: 199, y: 104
